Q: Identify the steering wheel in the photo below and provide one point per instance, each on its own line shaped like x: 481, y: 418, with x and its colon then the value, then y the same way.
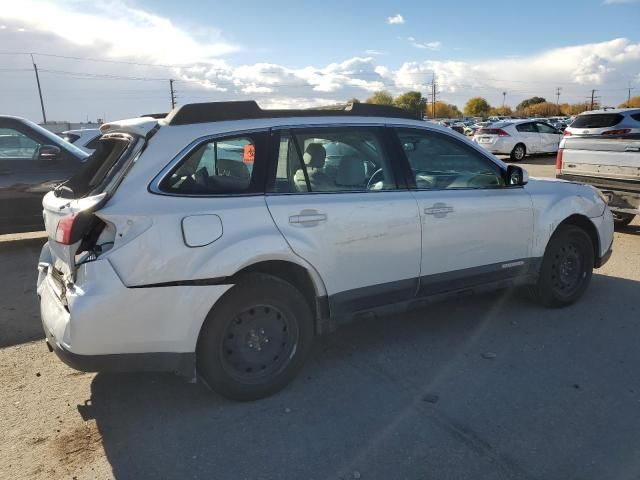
x: 377, y: 173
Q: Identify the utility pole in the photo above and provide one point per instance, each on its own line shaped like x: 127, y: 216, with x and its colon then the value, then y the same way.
x: 35, y: 69
x: 629, y: 95
x: 593, y: 92
x: 504, y: 99
x: 433, y: 96
x: 558, y: 90
x: 173, y: 94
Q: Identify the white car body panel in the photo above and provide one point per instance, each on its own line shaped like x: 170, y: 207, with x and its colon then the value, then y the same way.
x: 364, y: 239
x: 131, y: 300
x: 483, y: 227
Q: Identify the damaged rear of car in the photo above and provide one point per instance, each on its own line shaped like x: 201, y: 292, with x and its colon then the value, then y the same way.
x: 79, y: 238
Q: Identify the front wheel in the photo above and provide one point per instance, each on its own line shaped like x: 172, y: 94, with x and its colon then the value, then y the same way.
x: 566, y: 267
x: 518, y: 152
x: 255, y: 340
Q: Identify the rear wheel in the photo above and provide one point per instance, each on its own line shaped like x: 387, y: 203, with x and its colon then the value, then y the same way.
x: 255, y: 340
x: 622, y: 219
x: 518, y: 152
x: 566, y: 267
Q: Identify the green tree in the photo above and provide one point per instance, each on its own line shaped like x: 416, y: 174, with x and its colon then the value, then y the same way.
x: 528, y: 102
x: 353, y: 100
x: 380, y: 98
x: 412, y: 102
x: 477, y: 107
x: 634, y: 102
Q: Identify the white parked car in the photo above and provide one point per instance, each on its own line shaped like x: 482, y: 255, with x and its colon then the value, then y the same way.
x: 612, y: 121
x: 518, y: 138
x: 85, y: 139
x: 223, y: 238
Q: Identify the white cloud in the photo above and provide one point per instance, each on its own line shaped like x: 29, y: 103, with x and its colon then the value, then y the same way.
x: 204, y: 73
x: 375, y: 52
x: 116, y: 29
x: 426, y: 45
x: 397, y: 19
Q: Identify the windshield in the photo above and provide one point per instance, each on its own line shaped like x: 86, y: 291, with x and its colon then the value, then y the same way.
x: 56, y: 140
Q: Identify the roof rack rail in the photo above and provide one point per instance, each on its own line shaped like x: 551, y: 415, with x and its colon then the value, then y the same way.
x: 245, y: 110
x: 154, y: 115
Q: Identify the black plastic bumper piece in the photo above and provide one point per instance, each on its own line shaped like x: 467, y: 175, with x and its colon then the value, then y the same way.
x: 604, y: 258
x: 181, y: 363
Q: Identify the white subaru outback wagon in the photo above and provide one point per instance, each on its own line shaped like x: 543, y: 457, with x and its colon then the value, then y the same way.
x: 221, y: 239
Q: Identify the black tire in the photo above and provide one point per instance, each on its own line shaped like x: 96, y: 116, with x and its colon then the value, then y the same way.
x: 518, y: 153
x: 256, y: 338
x: 566, y: 267
x: 622, y: 219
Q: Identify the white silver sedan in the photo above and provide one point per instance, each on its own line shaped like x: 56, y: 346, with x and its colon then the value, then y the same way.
x: 518, y: 138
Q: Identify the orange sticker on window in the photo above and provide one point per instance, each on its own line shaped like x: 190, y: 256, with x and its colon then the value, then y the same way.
x: 249, y: 153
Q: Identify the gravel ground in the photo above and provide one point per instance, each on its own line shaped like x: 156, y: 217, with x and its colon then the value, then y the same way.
x: 489, y: 387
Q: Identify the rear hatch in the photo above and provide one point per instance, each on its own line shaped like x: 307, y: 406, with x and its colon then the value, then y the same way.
x: 603, y: 157
x: 490, y: 134
x: 594, y: 123
x: 69, y: 210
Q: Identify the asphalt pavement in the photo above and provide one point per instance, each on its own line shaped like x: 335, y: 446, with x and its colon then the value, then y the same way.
x: 492, y: 386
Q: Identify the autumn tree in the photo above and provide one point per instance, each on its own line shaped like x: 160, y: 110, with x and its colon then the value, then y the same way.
x: 528, y: 102
x: 353, y: 100
x: 575, y: 108
x: 501, y: 111
x: 542, y: 109
x: 477, y: 107
x: 633, y: 102
x: 381, y: 98
x: 443, y: 110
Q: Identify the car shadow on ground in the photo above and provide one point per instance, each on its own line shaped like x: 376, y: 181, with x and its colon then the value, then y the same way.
x: 19, y: 310
x: 484, y: 387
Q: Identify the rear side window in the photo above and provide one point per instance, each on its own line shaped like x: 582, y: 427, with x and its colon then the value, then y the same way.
x: 597, y: 120
x: 218, y: 166
x: 70, y: 137
x: 636, y: 117
x: 344, y: 159
x: 526, y: 128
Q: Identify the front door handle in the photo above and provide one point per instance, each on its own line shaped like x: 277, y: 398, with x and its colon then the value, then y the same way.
x: 632, y: 149
x: 438, y: 210
x: 308, y: 218
x: 5, y: 172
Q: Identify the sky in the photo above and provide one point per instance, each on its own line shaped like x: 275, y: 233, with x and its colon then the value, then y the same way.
x: 114, y: 58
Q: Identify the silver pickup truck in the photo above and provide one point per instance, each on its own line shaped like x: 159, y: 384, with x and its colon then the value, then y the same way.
x: 611, y: 164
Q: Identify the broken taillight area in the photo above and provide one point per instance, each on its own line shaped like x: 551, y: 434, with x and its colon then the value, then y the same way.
x: 64, y: 230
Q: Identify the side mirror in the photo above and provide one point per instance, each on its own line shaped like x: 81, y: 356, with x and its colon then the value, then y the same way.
x: 516, y: 175
x: 48, y: 152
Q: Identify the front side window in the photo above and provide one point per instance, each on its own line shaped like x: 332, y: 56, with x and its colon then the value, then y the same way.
x: 439, y: 162
x: 332, y: 160
x: 219, y: 166
x: 16, y: 145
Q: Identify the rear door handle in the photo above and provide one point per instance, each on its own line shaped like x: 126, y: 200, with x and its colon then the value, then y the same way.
x: 308, y: 218
x: 632, y: 149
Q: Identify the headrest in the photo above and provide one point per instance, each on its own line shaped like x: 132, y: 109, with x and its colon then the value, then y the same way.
x: 314, y: 155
